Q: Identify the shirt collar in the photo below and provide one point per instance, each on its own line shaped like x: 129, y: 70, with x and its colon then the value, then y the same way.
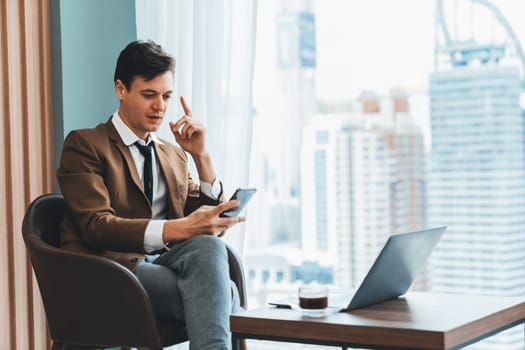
x: 127, y: 135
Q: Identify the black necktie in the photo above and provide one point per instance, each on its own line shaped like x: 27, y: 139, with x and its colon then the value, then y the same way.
x: 148, y: 171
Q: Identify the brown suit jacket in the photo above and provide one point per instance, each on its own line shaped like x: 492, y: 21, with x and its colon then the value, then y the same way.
x: 106, y: 209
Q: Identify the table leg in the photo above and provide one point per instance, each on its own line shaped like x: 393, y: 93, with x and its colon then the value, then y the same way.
x: 236, y: 342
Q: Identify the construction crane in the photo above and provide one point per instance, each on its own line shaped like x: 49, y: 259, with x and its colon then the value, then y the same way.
x: 462, y: 52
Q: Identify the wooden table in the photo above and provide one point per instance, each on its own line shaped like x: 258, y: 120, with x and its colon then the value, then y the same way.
x: 414, y: 321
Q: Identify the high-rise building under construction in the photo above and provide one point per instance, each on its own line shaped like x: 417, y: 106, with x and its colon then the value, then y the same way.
x: 477, y: 172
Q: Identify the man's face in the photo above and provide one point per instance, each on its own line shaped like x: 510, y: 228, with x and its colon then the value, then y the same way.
x: 144, y: 105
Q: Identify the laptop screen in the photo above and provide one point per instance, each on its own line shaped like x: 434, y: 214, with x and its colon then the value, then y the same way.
x: 397, y: 265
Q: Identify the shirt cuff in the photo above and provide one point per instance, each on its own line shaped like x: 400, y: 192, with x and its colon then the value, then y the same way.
x: 153, y: 236
x: 211, y: 190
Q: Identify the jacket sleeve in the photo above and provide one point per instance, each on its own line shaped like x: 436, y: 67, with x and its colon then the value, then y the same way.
x: 196, y: 198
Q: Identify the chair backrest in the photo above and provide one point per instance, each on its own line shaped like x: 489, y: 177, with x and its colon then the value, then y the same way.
x: 44, y: 217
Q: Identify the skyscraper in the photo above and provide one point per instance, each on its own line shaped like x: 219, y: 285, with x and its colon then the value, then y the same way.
x: 362, y: 179
x: 477, y: 174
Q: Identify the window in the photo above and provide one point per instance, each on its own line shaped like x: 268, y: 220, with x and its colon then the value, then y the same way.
x: 366, y: 125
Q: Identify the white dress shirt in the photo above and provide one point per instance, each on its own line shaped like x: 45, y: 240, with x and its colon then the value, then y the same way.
x: 153, y: 235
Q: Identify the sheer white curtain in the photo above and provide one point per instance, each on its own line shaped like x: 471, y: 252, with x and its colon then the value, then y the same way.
x: 213, y: 43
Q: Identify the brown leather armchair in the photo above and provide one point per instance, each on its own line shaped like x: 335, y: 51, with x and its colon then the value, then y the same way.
x: 92, y: 302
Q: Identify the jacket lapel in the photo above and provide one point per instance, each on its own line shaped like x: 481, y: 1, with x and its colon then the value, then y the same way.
x: 126, y: 154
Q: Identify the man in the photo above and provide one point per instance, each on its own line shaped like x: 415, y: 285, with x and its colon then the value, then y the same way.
x: 130, y: 198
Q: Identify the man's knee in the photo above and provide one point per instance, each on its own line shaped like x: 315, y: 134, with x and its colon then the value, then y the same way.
x: 206, y: 251
x: 208, y: 244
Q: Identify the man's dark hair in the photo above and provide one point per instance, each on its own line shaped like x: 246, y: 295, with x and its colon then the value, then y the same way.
x: 142, y: 58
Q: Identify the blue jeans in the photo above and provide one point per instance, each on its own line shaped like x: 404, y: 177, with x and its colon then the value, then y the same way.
x: 190, y: 283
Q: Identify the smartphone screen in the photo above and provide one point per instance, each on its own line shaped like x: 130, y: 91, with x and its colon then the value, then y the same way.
x: 243, y: 195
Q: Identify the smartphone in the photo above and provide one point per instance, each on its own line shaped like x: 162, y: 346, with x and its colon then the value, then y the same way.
x: 243, y: 195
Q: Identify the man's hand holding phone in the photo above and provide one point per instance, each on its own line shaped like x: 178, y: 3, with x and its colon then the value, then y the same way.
x: 211, y: 220
x: 203, y: 221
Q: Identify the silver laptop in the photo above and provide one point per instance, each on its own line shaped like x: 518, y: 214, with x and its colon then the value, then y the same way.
x: 399, y: 262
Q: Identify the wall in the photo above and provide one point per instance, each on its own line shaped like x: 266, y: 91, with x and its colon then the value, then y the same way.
x: 87, y: 36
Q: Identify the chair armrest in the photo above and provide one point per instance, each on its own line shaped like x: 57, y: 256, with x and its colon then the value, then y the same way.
x: 91, y: 305
x: 237, y: 275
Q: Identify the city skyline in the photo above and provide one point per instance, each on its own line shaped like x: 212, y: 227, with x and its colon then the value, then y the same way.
x: 472, y: 110
x: 292, y: 101
x: 360, y: 48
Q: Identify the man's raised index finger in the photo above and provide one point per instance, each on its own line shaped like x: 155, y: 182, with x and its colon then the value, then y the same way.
x: 185, y: 107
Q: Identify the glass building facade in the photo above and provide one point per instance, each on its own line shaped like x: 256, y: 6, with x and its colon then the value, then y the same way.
x: 477, y: 185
